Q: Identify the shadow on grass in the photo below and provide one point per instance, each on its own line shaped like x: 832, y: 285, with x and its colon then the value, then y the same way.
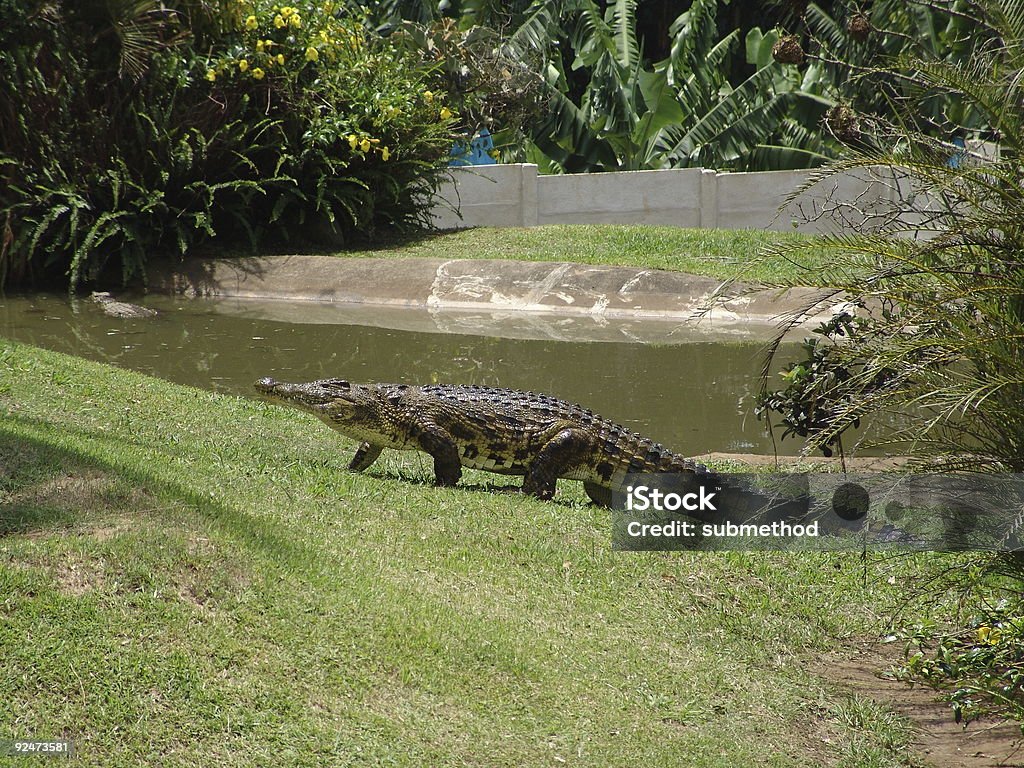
x: 45, y: 487
x: 31, y: 474
x: 393, y: 240
x: 513, y: 487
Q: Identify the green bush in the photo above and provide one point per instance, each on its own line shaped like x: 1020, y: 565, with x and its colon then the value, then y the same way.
x: 118, y: 150
x: 978, y: 663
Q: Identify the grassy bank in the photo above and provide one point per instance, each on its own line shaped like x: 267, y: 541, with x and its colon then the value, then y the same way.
x: 192, y: 579
x: 721, y: 253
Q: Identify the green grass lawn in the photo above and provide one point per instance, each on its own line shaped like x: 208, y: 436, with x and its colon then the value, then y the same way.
x: 721, y: 253
x: 189, y: 578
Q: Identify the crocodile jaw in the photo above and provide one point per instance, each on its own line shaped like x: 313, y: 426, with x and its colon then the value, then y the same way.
x: 311, y: 396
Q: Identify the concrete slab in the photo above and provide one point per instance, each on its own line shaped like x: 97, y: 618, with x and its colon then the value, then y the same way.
x: 465, y: 285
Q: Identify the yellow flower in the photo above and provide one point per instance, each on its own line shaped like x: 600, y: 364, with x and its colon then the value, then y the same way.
x: 446, y: 113
x: 312, y: 54
x: 428, y: 96
x: 259, y: 46
x: 243, y: 65
x: 211, y: 75
x: 295, y: 21
x: 257, y: 74
x: 323, y: 35
x: 279, y: 21
x: 365, y: 145
x: 353, y: 140
x: 989, y: 635
x: 287, y: 10
x: 268, y: 44
x: 280, y: 58
x: 385, y: 153
x: 251, y: 23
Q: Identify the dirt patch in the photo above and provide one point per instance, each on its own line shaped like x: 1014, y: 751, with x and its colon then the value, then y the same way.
x: 79, y: 578
x: 943, y: 743
x: 73, y: 489
x: 84, y: 502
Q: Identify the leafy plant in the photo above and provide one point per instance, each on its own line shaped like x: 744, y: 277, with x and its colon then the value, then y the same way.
x: 936, y: 271
x: 681, y: 111
x: 298, y: 123
x: 979, y: 666
x: 804, y: 404
x: 486, y: 86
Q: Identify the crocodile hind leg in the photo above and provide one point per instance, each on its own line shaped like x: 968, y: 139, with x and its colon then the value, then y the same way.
x: 598, y: 494
x: 366, y: 454
x: 566, y: 449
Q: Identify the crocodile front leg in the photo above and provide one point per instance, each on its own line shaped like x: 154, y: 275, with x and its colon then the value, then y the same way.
x: 566, y: 449
x: 366, y: 454
x: 442, y: 446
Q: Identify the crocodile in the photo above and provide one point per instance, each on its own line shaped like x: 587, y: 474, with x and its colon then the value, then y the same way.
x: 506, y: 431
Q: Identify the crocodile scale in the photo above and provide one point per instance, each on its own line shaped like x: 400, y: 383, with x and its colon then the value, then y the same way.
x: 498, y: 430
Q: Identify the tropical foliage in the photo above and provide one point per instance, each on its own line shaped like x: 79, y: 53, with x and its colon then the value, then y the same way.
x: 121, y: 138
x: 610, y: 107
x: 681, y: 111
x: 846, y: 41
x: 936, y: 277
x: 700, y: 86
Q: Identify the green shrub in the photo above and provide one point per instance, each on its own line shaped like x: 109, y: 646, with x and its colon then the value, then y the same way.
x: 979, y: 662
x: 137, y: 145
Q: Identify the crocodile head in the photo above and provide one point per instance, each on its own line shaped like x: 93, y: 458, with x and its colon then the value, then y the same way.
x: 314, y: 396
x: 358, y: 410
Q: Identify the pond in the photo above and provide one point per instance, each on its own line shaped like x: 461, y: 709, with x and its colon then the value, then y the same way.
x: 690, y: 388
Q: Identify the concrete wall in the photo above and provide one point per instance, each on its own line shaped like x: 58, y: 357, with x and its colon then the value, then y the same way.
x: 517, y: 196
x: 488, y: 196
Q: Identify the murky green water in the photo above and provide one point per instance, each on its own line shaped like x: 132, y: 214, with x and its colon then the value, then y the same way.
x: 691, y: 390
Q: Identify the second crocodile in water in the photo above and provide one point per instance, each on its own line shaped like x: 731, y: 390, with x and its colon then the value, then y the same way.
x: 499, y: 430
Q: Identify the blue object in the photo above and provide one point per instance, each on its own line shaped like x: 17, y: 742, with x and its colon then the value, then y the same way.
x: 479, y: 150
x: 957, y: 159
